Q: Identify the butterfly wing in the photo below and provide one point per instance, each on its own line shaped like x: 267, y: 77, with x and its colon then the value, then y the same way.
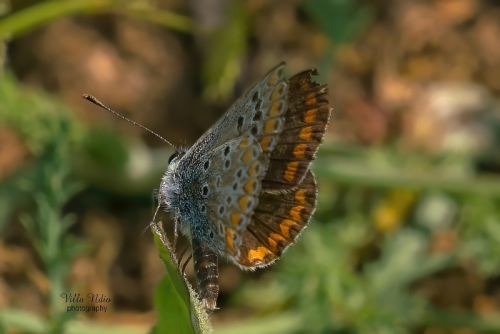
x: 241, y: 141
x: 306, y: 120
x: 221, y: 192
x: 277, y: 222
x: 258, y: 113
x: 249, y: 175
x: 288, y: 197
x: 214, y: 197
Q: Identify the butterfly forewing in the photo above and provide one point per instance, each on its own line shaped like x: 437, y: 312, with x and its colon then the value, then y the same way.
x: 306, y: 120
x: 258, y: 113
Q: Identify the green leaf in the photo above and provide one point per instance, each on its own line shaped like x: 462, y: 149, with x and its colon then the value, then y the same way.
x: 177, y: 303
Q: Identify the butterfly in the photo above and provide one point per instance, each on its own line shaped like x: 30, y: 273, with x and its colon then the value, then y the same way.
x: 244, y: 190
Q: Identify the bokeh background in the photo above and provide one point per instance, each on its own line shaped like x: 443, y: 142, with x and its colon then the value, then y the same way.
x: 406, y: 238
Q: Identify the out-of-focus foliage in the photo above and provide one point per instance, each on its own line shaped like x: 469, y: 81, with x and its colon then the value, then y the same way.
x: 341, y: 20
x: 52, y: 135
x: 49, y: 133
x: 226, y: 46
x: 42, y: 13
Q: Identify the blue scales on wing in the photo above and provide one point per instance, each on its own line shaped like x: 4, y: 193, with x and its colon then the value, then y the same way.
x: 221, y: 175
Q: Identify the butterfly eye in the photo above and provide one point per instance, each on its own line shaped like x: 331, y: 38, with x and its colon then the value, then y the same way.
x: 172, y: 157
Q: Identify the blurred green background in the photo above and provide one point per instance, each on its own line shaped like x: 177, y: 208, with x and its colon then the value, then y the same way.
x: 406, y: 238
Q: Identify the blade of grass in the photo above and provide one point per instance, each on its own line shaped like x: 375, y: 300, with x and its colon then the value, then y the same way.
x: 40, y: 14
x: 37, y: 15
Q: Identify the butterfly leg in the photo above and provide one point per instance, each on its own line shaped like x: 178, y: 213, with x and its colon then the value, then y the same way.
x: 186, y: 263
x: 181, y: 255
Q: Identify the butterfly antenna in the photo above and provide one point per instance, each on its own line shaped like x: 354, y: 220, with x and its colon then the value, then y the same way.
x: 153, y: 221
x: 100, y: 104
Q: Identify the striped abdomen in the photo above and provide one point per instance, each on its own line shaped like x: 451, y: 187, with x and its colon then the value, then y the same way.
x: 206, y: 270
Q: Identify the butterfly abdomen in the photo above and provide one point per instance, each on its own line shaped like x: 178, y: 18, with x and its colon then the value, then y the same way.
x: 206, y: 269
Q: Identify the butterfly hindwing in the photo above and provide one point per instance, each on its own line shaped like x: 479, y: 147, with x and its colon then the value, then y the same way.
x: 278, y: 220
x: 224, y: 192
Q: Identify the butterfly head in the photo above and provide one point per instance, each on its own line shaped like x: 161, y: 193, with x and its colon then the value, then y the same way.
x: 176, y: 155
x: 169, y: 192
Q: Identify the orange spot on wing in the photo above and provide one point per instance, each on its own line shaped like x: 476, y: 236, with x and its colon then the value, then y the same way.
x: 264, y: 143
x: 311, y: 99
x: 285, y: 227
x: 291, y: 170
x: 272, y: 80
x: 304, y: 84
x: 295, y: 212
x: 270, y: 126
x: 277, y: 92
x: 229, y: 240
x: 249, y: 186
x: 310, y: 115
x: 258, y: 255
x: 300, y: 196
x: 243, y: 203
x: 244, y: 143
x: 299, y: 150
x: 273, y: 241
x: 247, y: 156
x: 236, y: 219
x: 252, y: 171
x: 275, y: 109
x: 305, y: 133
